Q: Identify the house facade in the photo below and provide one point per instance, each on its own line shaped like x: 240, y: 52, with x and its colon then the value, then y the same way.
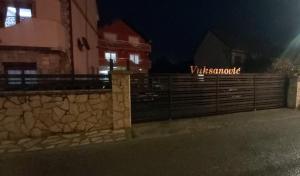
x: 48, y: 36
x: 216, y: 52
x: 127, y: 49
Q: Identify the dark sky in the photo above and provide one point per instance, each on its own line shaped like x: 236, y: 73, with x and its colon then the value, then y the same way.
x: 175, y: 27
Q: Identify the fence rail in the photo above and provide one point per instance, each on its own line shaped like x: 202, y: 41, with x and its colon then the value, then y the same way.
x: 165, y: 96
x: 53, y: 82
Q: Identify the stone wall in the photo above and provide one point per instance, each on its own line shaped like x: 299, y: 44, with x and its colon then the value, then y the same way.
x: 49, y: 119
x: 121, y: 100
x: 47, y: 61
x: 293, y: 97
x: 45, y: 115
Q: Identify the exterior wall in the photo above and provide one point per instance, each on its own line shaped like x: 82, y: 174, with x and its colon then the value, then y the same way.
x: 53, y: 62
x: 85, y: 61
x: 213, y: 53
x: 43, y: 115
x: 43, y: 30
x: 34, y: 33
x: 50, y: 29
x: 123, y: 48
x: 48, y: 10
x: 50, y: 119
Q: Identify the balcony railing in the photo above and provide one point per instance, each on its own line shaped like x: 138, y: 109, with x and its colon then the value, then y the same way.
x: 119, y: 44
x: 33, y: 82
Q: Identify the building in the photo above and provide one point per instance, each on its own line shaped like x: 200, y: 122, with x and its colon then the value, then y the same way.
x: 125, y: 47
x: 48, y: 36
x: 216, y: 51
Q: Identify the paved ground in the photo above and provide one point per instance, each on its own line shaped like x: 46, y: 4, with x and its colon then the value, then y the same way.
x: 256, y: 143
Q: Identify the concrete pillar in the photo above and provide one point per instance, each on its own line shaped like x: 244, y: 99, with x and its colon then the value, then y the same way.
x: 293, y: 96
x: 121, y: 100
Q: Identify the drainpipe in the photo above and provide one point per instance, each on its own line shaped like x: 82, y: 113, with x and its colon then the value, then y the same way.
x: 71, y: 38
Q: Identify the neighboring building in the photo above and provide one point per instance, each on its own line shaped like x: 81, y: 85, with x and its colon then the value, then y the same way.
x: 215, y: 51
x: 48, y: 36
x: 125, y: 47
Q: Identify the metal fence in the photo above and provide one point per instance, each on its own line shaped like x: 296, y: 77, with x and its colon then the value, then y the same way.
x: 166, y: 96
x: 53, y: 82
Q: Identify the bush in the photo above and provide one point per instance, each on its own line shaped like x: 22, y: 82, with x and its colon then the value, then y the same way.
x: 283, y: 66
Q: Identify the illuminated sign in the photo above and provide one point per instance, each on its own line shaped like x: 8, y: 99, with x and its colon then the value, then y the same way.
x: 215, y: 71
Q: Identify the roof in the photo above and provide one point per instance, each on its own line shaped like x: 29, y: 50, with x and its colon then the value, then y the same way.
x: 239, y: 41
x: 120, y: 23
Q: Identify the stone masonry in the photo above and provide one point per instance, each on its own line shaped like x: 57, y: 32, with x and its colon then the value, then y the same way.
x: 29, y: 120
x: 121, y: 100
x: 293, y: 99
x: 36, y: 116
x: 47, y: 61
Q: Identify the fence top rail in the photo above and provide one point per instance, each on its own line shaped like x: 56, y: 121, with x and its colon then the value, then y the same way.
x: 189, y: 74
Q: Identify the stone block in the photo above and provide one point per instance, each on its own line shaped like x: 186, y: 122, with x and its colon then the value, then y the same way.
x: 74, y: 110
x: 67, y: 129
x: 36, y: 132
x: 68, y: 119
x: 81, y: 98
x: 10, y: 105
x: 35, y: 103
x: 49, y: 105
x: 26, y: 107
x: 71, y: 98
x: 94, y: 96
x: 83, y: 116
x: 10, y: 119
x: 33, y: 98
x: 82, y: 108
x: 2, y: 100
x: 15, y: 100
x: 46, y: 99
x: 3, y: 135
x: 29, y: 120
x: 59, y: 112
x: 65, y: 105
x: 14, y: 112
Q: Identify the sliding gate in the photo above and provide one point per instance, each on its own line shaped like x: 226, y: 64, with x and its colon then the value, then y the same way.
x: 171, y: 96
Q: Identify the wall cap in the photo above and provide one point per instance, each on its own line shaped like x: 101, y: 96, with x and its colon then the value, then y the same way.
x: 124, y: 72
x: 52, y: 92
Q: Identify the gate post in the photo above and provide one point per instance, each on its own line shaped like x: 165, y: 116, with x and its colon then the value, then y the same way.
x: 293, y: 95
x: 121, y: 100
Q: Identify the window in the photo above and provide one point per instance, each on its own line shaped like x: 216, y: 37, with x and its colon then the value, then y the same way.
x: 15, y: 69
x: 135, y: 58
x: 111, y: 56
x: 16, y: 14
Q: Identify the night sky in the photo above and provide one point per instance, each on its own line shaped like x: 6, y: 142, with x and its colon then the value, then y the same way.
x: 176, y: 27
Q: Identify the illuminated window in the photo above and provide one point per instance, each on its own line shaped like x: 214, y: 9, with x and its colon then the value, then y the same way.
x: 15, y: 69
x: 111, y: 56
x: 16, y: 14
x: 135, y: 58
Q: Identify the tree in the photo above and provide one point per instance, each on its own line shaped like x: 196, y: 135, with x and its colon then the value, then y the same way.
x: 284, y: 66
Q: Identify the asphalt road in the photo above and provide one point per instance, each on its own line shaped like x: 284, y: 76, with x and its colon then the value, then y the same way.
x: 261, y: 143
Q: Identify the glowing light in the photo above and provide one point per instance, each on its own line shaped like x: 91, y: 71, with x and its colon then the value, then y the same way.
x: 292, y: 52
x: 215, y: 71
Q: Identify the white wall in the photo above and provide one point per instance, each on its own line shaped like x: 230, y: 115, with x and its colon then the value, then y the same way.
x: 86, y: 61
x: 44, y: 30
x: 34, y: 33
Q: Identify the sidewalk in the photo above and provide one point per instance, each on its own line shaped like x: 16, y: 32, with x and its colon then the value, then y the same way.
x: 255, y: 143
x: 202, y: 124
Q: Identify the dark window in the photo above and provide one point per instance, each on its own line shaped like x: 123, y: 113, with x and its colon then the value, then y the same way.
x: 22, y: 69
